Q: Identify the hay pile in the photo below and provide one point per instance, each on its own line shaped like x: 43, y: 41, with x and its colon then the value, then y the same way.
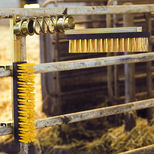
x: 81, y: 138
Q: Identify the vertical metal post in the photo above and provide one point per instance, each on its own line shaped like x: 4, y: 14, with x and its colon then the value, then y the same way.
x: 129, y: 70
x: 18, y: 55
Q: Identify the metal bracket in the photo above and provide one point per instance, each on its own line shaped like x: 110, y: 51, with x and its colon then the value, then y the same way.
x: 30, y: 26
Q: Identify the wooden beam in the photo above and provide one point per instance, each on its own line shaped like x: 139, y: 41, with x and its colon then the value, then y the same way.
x: 81, y: 10
x: 87, y: 63
x: 144, y: 150
x: 86, y: 115
x: 4, y: 72
x: 129, y: 71
x: 92, y: 62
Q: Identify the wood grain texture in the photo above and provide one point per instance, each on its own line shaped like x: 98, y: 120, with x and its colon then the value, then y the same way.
x: 86, y: 115
x: 82, y: 10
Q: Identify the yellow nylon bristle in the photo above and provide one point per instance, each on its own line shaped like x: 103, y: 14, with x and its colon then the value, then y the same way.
x: 85, y: 45
x: 70, y: 46
x: 108, y: 45
x: 26, y: 103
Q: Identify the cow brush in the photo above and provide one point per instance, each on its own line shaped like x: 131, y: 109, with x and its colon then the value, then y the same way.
x: 99, y: 40
x: 24, y: 98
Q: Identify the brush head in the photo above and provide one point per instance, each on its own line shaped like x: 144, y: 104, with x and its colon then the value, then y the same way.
x: 126, y: 39
x: 24, y: 102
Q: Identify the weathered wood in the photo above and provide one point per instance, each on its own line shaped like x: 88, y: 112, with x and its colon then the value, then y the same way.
x: 116, y: 79
x: 49, y: 81
x: 109, y: 68
x: 144, y: 150
x: 95, y: 113
x: 19, y: 55
x: 82, y: 10
x: 87, y: 63
x: 47, y: 2
x: 129, y: 70
x: 6, y: 130
x: 44, y: 3
x: 116, y: 74
x: 93, y: 62
x: 22, y: 3
x: 86, y: 115
x: 24, y: 148
x: 149, y: 69
x: 4, y: 72
x: 104, y: 30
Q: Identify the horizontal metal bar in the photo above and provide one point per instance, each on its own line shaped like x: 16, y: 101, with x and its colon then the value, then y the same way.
x: 77, y: 10
x: 143, y: 150
x: 93, y: 62
x: 103, y: 30
x: 87, y: 115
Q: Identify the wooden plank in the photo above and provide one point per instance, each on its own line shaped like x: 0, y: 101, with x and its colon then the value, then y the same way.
x: 4, y: 72
x: 47, y: 2
x: 109, y: 68
x: 93, y: 62
x: 143, y: 150
x: 82, y: 10
x: 19, y: 55
x: 129, y: 71
x: 72, y: 1
x: 86, y: 115
x: 103, y: 30
x: 89, y: 63
x: 149, y: 82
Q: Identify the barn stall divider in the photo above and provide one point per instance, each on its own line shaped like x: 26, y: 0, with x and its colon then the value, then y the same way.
x: 19, y: 52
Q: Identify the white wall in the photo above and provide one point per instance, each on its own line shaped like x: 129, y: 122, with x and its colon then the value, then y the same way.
x: 9, y: 3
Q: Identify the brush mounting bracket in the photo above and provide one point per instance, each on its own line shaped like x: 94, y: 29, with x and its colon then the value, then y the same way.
x: 30, y: 26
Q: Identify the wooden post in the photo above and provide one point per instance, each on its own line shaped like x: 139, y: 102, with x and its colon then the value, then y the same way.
x: 18, y: 55
x: 129, y: 70
x: 22, y: 3
x: 116, y: 74
x: 149, y: 70
x: 50, y: 82
x: 109, y: 68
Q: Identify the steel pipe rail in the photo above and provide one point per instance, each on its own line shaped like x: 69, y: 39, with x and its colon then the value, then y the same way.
x: 85, y: 115
x: 82, y: 10
x: 93, y: 62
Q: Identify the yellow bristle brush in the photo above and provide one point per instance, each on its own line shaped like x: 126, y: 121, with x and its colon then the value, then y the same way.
x: 94, y: 40
x: 24, y: 102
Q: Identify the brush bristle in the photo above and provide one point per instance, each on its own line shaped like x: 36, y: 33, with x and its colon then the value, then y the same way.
x: 26, y: 103
x: 109, y: 45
